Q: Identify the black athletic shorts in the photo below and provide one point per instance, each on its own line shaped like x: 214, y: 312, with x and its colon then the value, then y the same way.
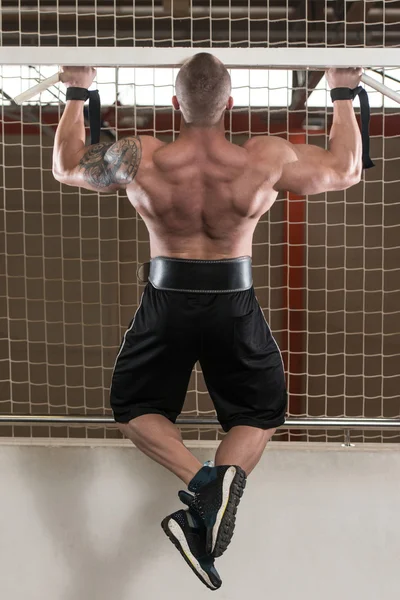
x: 227, y: 333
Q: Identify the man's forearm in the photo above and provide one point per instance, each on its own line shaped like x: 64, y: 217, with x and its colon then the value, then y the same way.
x: 345, y: 138
x: 70, y: 138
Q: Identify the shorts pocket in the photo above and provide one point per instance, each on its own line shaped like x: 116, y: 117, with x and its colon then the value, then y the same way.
x: 249, y: 333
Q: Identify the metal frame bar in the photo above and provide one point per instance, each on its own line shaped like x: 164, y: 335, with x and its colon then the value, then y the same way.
x: 284, y: 58
x: 307, y: 423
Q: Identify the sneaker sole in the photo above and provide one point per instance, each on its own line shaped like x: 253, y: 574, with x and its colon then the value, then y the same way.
x: 177, y: 537
x: 232, y: 491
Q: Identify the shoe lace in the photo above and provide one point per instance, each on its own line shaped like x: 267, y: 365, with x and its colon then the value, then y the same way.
x: 198, y: 506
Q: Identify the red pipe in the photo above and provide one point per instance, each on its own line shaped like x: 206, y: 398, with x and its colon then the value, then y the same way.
x: 293, y: 295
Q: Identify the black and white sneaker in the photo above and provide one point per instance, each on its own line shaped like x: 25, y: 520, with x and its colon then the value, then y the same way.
x: 217, y: 493
x: 188, y: 533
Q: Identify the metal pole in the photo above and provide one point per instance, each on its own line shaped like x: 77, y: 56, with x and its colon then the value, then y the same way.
x: 340, y: 423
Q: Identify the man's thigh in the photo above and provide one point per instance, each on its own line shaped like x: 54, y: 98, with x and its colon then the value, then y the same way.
x: 243, y: 369
x: 155, y: 361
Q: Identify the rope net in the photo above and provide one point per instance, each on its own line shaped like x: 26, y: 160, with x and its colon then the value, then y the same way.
x: 198, y: 23
x: 326, y: 268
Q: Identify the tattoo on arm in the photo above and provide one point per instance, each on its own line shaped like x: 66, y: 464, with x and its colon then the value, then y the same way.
x: 111, y: 165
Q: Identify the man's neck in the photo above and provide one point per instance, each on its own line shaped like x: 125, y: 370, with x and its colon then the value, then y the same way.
x: 205, y: 134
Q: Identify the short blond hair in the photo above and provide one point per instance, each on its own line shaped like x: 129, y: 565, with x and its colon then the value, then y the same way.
x: 203, y: 88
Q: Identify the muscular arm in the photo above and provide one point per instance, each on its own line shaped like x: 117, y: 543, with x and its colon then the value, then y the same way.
x: 101, y: 167
x: 308, y: 169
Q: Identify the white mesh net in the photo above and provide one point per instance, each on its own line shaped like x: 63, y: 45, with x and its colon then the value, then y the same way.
x: 326, y: 270
x: 240, y: 23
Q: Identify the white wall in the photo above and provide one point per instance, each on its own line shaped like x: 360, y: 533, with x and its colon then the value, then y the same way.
x: 82, y: 523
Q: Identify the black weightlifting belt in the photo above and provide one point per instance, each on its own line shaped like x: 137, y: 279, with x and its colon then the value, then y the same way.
x: 201, y: 276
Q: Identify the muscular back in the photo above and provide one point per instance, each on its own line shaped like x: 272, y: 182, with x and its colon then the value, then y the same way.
x: 201, y: 196
x: 201, y: 200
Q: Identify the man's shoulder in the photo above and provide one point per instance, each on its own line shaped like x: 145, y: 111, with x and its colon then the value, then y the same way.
x: 149, y: 146
x: 265, y: 143
x: 144, y: 144
x: 150, y: 143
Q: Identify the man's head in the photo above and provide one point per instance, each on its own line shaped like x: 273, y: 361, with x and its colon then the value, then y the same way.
x: 203, y: 89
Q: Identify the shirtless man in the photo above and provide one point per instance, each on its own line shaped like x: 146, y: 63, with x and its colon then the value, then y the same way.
x: 201, y: 198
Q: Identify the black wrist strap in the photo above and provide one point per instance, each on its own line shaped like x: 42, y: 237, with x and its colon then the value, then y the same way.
x: 349, y: 94
x: 78, y: 93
